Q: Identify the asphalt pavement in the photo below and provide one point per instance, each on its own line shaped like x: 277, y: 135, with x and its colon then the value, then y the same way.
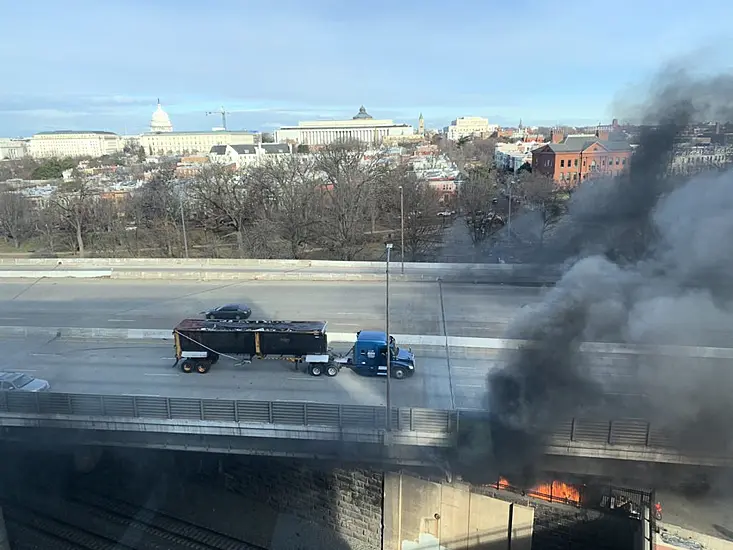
x: 139, y: 367
x: 415, y: 308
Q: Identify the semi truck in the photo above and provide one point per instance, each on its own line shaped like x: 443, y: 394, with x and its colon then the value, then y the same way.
x: 199, y: 343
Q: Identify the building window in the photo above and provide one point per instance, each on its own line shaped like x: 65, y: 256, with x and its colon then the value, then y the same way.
x: 576, y: 162
x: 617, y: 161
x: 623, y: 162
x: 562, y: 163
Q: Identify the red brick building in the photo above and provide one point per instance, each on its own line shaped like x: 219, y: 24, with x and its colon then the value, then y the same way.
x: 570, y: 160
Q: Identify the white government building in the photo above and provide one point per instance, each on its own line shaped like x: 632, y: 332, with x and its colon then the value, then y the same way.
x: 468, y: 126
x: 70, y: 143
x: 161, y: 140
x: 361, y: 127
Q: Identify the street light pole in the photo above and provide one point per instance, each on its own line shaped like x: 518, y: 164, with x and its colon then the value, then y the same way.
x: 183, y: 226
x: 402, y: 228
x: 389, y: 349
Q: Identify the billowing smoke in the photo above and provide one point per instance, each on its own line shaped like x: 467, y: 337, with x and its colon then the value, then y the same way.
x: 649, y: 261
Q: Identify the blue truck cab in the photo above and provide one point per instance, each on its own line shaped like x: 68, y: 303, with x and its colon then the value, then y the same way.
x: 370, y: 356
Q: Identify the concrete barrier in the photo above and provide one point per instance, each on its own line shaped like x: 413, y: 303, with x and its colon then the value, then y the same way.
x: 155, y: 268
x: 466, y: 277
x: 255, y: 263
x: 420, y: 340
x: 53, y: 274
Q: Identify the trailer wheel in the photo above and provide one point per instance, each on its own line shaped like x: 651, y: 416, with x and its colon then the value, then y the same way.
x: 398, y: 373
x: 315, y: 370
x: 332, y: 370
x: 203, y: 367
x: 187, y: 366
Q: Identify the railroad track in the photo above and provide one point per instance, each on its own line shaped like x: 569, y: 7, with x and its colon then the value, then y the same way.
x: 166, y: 526
x: 42, y: 531
x: 90, y: 521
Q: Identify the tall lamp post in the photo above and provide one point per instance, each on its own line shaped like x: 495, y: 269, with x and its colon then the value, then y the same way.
x: 183, y: 221
x: 389, y: 348
x: 402, y: 228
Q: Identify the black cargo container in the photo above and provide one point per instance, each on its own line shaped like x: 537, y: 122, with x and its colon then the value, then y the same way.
x: 199, y: 340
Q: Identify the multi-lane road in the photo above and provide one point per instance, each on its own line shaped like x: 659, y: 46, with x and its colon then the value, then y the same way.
x: 140, y: 367
x: 415, y: 308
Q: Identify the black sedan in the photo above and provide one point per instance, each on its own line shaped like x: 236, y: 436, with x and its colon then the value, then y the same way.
x: 236, y: 312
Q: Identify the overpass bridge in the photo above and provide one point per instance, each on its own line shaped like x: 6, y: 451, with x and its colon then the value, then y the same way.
x: 418, y: 437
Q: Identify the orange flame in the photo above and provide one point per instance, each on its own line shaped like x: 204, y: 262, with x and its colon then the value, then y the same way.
x: 555, y: 491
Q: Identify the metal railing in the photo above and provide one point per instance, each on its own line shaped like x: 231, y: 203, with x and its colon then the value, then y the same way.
x: 620, y: 432
x: 290, y: 413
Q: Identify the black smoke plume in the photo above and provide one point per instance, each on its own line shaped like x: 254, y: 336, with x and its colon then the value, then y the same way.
x: 649, y: 260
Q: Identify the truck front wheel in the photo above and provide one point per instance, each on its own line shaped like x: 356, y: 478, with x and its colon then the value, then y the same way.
x: 315, y: 370
x: 398, y: 373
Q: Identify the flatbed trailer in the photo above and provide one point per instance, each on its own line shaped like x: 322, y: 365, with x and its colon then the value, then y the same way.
x: 199, y: 343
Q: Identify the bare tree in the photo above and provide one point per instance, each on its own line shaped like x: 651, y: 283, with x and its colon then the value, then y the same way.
x: 73, y: 203
x: 349, y: 184
x: 290, y: 198
x: 468, y: 153
x: 476, y: 201
x: 540, y: 194
x: 16, y: 217
x: 156, y: 213
x: 423, y: 229
x: 226, y: 198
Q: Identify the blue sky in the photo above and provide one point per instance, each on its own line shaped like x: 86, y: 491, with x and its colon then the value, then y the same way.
x: 80, y: 64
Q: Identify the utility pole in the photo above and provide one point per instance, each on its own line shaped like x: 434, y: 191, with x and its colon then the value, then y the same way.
x: 183, y: 221
x: 389, y: 347
x: 402, y: 227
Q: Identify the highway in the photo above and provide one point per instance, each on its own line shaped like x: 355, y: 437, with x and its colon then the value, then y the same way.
x: 415, y: 308
x: 142, y: 367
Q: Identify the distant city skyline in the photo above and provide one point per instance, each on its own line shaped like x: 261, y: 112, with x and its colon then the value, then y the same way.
x: 91, y: 66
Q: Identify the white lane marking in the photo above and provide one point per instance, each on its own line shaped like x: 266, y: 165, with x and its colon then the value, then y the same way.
x: 45, y: 354
x: 159, y: 374
x: 470, y: 385
x: 121, y: 320
x: 25, y: 370
x: 11, y: 318
x: 305, y: 377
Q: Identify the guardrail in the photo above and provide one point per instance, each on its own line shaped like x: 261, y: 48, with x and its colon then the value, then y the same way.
x: 626, y: 439
x: 621, y: 432
x: 287, y: 413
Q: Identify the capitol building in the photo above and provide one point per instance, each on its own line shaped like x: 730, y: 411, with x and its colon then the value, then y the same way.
x: 160, y: 140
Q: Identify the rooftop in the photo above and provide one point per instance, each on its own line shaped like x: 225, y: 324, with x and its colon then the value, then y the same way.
x: 58, y: 132
x: 205, y: 132
x: 576, y: 144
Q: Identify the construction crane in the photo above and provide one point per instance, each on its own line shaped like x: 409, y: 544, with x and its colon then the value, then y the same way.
x: 223, y: 114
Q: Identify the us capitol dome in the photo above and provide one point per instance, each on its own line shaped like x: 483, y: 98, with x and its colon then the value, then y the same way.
x: 160, y: 122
